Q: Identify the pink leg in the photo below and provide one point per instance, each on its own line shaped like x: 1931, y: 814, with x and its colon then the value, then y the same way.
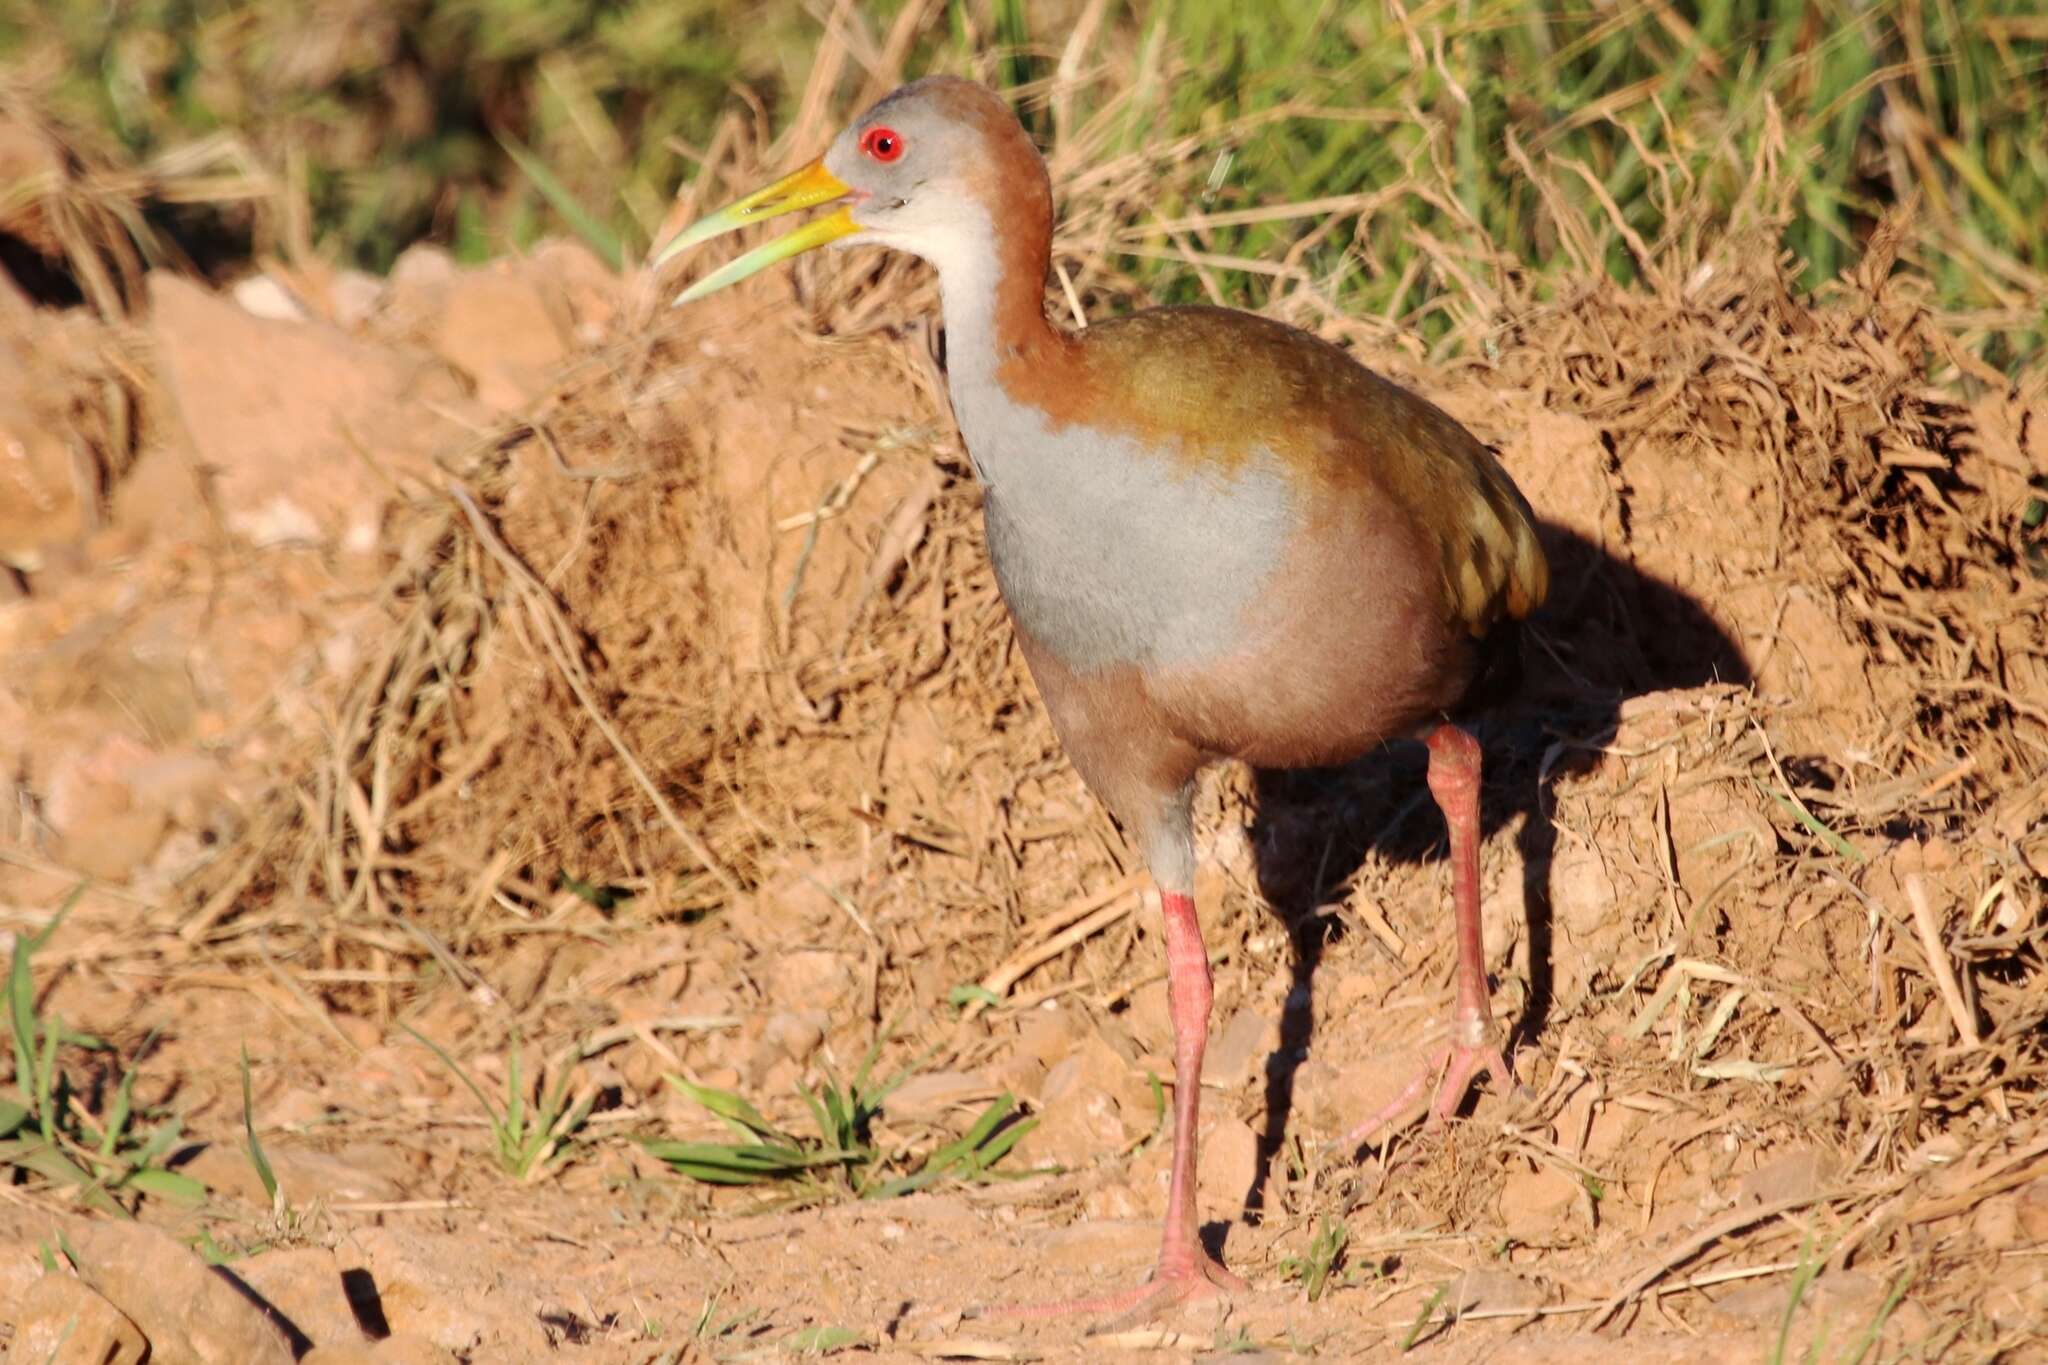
x: 1454, y: 766
x: 1185, y: 1270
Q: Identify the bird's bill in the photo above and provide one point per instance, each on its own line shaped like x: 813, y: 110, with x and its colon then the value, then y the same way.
x: 800, y: 190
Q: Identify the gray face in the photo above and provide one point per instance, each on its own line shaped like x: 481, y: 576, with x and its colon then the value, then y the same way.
x: 912, y: 165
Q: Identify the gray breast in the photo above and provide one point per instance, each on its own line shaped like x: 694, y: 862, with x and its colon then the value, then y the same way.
x: 1108, y: 553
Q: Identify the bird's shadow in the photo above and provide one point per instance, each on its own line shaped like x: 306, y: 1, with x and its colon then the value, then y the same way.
x: 1608, y: 632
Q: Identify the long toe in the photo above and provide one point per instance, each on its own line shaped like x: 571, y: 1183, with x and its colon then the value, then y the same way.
x: 1466, y: 1065
x: 1458, y: 1065
x: 1398, y: 1106
x: 1165, y: 1289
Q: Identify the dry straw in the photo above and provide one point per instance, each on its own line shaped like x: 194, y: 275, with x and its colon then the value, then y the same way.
x: 582, y: 673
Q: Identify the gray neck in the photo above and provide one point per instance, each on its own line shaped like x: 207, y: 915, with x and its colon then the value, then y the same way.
x: 967, y: 293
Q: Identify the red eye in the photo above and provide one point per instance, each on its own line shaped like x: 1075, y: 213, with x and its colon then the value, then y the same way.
x: 883, y: 144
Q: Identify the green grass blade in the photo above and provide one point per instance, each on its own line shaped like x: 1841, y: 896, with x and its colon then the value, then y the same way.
x: 179, y: 1189
x: 117, y: 1117
x: 1875, y: 1328
x: 483, y: 1101
x: 734, y: 1109
x: 515, y: 1096
x: 1798, y: 811
x: 1416, y: 1328
x: 821, y: 1118
x: 256, y: 1157
x: 821, y: 1341
x: 733, y: 1164
x: 46, y: 1082
x: 160, y: 1141
x: 999, y: 1146
x: 21, y: 1012
x: 595, y: 235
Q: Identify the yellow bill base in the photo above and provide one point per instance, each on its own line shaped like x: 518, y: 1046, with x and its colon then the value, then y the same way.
x: 813, y: 184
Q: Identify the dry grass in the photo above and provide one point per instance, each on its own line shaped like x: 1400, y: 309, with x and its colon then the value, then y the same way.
x: 604, y: 662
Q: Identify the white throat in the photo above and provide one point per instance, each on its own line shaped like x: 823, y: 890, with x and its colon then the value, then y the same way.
x: 956, y: 236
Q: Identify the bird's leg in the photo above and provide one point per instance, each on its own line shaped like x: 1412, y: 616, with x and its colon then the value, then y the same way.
x: 1454, y: 769
x: 1185, y: 1270
x: 1189, y: 995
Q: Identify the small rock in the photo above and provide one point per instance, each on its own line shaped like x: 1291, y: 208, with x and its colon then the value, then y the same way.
x: 928, y: 1095
x: 1840, y: 1298
x: 452, y: 1326
x: 394, y: 1071
x: 354, y: 295
x: 314, y: 443
x: 42, y: 494
x: 1094, y: 1244
x: 1581, y: 891
x: 351, y: 1354
x: 586, y: 284
x: 2018, y: 1303
x: 1091, y: 1107
x: 303, y: 1176
x: 1119, y: 1040
x: 817, y: 976
x: 263, y: 297
x: 2032, y: 1211
x: 402, y: 1349
x: 190, y: 1314
x: 796, y: 1033
x: 86, y: 786
x: 1497, y: 1291
x: 506, y: 331
x: 1537, y: 1202
x: 1996, y: 1222
x: 61, y: 1321
x: 1340, y: 1097
x: 1150, y: 1020
x: 1239, y: 1052
x: 364, y: 1033
x: 1047, y: 1037
x: 304, y: 1284
x: 1748, y: 1305
x: 20, y: 1267
x: 1797, y: 1174
x: 422, y: 264
x: 116, y: 845
x: 1229, y: 1166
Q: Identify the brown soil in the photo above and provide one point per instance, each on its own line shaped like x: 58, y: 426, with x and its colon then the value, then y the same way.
x: 343, y: 641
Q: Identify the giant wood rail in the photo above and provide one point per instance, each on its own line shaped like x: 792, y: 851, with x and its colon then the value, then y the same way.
x: 1218, y: 537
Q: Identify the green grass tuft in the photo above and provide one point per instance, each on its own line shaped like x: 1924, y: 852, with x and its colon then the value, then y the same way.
x: 840, y: 1159
x: 48, y: 1130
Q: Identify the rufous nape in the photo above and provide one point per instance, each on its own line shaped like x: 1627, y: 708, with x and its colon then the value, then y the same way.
x: 1218, y: 537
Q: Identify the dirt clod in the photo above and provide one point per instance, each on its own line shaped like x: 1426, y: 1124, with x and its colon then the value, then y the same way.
x: 190, y: 1313
x: 61, y: 1321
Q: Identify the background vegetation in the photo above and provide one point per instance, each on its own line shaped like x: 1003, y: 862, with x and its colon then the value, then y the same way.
x: 1408, y: 138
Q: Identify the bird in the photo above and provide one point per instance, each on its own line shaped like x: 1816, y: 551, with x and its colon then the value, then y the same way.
x: 1218, y: 537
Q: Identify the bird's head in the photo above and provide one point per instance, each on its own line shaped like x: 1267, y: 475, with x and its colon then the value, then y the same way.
x: 929, y: 170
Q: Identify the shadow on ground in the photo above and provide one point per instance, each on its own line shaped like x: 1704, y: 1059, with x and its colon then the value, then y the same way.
x: 1609, y: 632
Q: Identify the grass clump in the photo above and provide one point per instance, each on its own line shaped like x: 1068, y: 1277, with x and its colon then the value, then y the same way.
x: 1325, y: 1252
x: 840, y: 1159
x: 530, y: 1136
x: 48, y: 1128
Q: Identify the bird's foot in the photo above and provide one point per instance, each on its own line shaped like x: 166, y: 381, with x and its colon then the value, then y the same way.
x: 1179, y: 1280
x: 1461, y: 1064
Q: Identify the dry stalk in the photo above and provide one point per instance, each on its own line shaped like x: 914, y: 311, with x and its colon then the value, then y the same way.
x: 555, y: 637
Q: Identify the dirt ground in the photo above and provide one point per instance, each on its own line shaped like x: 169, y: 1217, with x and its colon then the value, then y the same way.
x: 496, y: 658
